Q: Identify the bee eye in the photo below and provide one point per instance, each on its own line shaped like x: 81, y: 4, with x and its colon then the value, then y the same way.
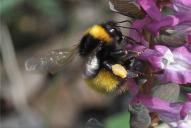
x: 112, y: 30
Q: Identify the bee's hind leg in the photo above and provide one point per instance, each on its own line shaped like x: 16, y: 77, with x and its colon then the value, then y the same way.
x: 119, y: 70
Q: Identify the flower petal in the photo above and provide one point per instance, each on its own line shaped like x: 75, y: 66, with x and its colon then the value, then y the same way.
x: 150, y: 8
x: 182, y: 5
x: 167, y: 112
x: 139, y: 24
x: 164, y: 22
x: 175, y: 63
x: 133, y: 87
x: 186, y: 109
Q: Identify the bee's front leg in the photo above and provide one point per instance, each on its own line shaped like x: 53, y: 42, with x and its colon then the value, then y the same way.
x: 127, y: 54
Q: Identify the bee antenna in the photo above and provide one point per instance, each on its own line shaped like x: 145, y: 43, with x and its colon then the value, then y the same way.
x: 132, y: 29
x: 129, y: 28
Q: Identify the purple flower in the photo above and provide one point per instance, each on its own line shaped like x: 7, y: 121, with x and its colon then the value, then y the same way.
x: 185, y: 123
x: 170, y: 113
x: 155, y: 20
x: 150, y: 8
x: 167, y: 112
x: 189, y: 96
x: 168, y: 21
x: 186, y: 108
x: 137, y: 36
x: 175, y: 63
x: 181, y: 5
x: 188, y: 44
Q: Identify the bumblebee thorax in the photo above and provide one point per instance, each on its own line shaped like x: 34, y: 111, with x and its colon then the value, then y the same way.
x: 98, y: 32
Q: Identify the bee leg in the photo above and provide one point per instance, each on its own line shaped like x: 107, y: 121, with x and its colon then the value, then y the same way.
x: 116, y: 69
x: 128, y: 54
x: 134, y: 54
x: 151, y: 73
x: 119, y: 70
x: 118, y: 53
x: 107, y: 65
x: 132, y: 74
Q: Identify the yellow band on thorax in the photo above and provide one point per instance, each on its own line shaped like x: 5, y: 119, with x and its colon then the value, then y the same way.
x: 99, y: 32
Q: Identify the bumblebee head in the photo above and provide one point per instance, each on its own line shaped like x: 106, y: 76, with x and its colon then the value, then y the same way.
x: 113, y: 31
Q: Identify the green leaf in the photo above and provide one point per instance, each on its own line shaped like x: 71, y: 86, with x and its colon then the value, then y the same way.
x: 48, y: 7
x: 169, y: 92
x: 118, y: 121
x: 6, y: 5
x: 167, y: 11
x: 186, y: 89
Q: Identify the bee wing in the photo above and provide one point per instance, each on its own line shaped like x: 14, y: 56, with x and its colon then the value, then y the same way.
x: 55, y: 60
x: 127, y: 7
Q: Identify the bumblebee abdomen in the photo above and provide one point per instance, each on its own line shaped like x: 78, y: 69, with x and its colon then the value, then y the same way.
x: 104, y: 82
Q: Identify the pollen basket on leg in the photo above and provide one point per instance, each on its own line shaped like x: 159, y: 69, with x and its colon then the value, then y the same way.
x: 99, y: 32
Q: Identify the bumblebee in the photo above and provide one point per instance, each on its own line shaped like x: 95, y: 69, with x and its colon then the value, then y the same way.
x: 107, y: 63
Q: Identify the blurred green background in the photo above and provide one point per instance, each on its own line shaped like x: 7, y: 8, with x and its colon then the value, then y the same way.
x: 39, y: 20
x: 40, y: 100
